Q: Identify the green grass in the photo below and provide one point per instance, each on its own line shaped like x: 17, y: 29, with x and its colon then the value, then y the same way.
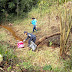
x: 3, y: 35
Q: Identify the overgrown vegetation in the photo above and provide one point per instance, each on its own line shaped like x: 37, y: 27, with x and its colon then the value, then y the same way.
x: 42, y: 60
x: 16, y: 9
x: 13, y: 8
x: 7, y: 53
x: 65, y: 27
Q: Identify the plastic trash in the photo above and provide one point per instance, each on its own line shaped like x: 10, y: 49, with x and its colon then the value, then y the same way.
x: 1, y: 58
x: 33, y: 45
x: 20, y: 44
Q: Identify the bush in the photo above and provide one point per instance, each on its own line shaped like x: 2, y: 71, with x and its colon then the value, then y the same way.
x: 25, y: 65
x: 68, y: 64
x: 8, y: 54
x: 47, y: 67
x: 56, y: 69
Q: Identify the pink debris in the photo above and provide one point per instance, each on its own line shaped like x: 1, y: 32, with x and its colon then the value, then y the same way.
x: 20, y: 44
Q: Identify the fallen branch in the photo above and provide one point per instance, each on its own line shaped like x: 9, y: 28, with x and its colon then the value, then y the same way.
x: 46, y: 37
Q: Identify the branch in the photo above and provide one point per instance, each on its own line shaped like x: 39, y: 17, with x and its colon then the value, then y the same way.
x: 46, y: 37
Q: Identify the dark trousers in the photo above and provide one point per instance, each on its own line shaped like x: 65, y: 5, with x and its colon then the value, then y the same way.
x: 34, y: 39
x: 34, y: 28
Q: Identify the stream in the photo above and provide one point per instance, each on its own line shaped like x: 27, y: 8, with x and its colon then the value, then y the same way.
x: 10, y: 29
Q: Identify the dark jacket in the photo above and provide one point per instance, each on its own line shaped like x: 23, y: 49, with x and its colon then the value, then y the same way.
x: 30, y: 35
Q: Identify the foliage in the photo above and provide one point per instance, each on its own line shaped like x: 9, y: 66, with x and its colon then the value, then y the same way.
x: 11, y: 5
x: 7, y: 53
x: 67, y: 63
x: 67, y: 66
x: 65, y: 26
x: 30, y: 53
x: 20, y: 7
x: 50, y: 43
x: 56, y: 69
x: 47, y: 67
x: 25, y: 65
x: 9, y: 68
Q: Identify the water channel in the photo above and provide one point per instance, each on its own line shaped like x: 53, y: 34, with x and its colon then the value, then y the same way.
x: 10, y: 29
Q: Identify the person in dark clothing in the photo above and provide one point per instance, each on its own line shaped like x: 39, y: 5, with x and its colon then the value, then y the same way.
x: 30, y: 36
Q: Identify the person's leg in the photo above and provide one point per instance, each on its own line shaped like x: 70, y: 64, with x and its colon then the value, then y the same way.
x: 29, y: 42
x: 34, y: 39
x: 35, y: 28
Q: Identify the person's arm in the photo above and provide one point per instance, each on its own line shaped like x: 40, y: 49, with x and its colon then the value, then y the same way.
x: 36, y: 22
x: 27, y: 38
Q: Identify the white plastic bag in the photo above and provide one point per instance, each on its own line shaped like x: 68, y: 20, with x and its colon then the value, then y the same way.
x: 33, y: 45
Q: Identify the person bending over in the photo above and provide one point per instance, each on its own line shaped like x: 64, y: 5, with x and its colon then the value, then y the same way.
x: 30, y: 36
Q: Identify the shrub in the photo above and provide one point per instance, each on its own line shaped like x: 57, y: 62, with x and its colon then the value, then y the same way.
x: 68, y: 64
x: 47, y: 67
x: 25, y: 65
x: 8, y: 54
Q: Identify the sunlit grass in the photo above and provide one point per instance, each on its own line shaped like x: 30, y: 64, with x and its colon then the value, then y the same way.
x: 3, y: 34
x: 46, y: 56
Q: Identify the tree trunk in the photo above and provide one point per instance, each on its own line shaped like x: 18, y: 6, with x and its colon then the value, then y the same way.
x: 46, y: 37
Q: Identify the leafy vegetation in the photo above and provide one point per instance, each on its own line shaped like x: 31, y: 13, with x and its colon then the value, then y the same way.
x: 42, y: 60
x: 47, y: 67
x: 8, y: 54
x: 19, y: 8
x: 13, y: 8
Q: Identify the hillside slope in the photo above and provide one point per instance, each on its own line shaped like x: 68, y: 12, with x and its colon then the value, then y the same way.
x: 46, y: 25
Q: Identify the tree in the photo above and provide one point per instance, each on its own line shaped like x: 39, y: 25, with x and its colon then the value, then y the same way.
x: 65, y: 27
x: 12, y: 8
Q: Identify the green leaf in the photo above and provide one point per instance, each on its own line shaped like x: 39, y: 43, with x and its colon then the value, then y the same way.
x: 11, y: 5
x: 6, y: 52
x: 60, y: 1
x: 8, y: 69
x: 47, y: 67
x: 17, y: 65
x: 25, y: 65
x: 50, y: 43
x: 3, y: 10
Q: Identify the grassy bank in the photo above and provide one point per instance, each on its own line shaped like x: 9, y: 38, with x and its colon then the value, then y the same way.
x: 44, y: 58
